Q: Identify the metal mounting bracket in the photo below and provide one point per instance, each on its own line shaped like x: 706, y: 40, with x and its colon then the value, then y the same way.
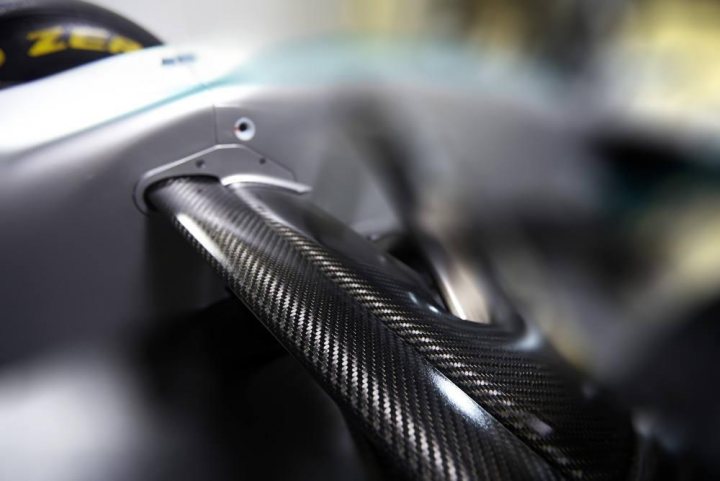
x: 229, y: 163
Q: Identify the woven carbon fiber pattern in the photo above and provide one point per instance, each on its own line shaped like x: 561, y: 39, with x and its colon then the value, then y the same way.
x: 444, y: 398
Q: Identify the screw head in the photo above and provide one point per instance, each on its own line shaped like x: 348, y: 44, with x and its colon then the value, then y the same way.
x: 244, y: 129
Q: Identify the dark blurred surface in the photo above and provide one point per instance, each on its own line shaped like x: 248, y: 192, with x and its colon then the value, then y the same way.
x: 209, y: 397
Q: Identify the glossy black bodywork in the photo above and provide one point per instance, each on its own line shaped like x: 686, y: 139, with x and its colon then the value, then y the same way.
x: 441, y: 397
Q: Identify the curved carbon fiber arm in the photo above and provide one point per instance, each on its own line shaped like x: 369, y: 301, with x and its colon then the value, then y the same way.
x: 443, y: 398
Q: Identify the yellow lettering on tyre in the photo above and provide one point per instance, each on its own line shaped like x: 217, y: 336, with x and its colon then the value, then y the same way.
x: 88, y: 38
x: 46, y: 41
x: 121, y: 44
x: 52, y: 40
x: 2, y: 57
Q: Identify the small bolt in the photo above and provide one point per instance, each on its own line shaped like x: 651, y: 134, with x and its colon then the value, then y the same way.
x: 244, y: 129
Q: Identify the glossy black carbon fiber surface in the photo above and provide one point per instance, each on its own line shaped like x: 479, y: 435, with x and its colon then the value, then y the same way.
x: 444, y: 398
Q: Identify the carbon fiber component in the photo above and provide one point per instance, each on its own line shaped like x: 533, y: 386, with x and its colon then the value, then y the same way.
x: 443, y: 398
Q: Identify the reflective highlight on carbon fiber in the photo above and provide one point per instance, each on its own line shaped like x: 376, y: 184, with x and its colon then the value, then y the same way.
x: 443, y: 398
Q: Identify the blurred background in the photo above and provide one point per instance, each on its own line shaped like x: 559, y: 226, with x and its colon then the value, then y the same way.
x: 659, y: 56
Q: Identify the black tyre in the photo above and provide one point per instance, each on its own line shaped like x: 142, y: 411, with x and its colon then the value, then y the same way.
x: 41, y: 38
